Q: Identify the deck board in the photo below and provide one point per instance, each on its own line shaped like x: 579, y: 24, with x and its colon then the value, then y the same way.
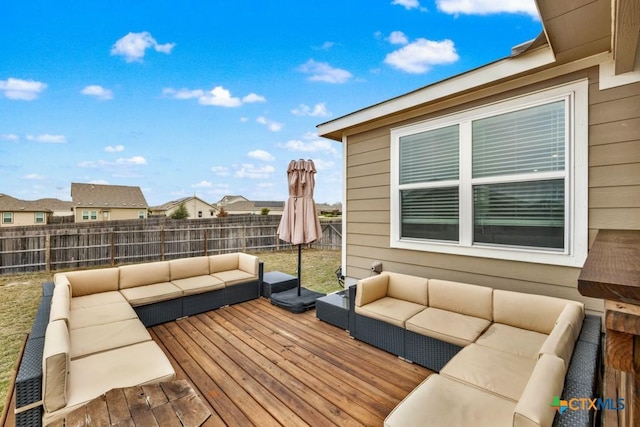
x: 256, y: 364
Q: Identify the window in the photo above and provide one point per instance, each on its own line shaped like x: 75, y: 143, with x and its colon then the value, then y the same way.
x: 94, y: 215
x: 89, y: 215
x: 7, y: 217
x: 507, y: 180
x: 39, y: 218
x: 142, y: 214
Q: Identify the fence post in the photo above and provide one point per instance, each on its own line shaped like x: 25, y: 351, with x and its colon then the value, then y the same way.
x: 47, y: 252
x: 162, y: 244
x: 206, y: 241
x: 244, y: 238
x: 113, y: 249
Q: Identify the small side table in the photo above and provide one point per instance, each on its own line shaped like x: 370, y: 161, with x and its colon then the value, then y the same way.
x: 276, y: 281
x: 334, y: 309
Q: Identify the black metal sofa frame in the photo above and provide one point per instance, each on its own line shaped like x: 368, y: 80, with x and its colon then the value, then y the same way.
x: 583, y: 374
x: 28, y: 384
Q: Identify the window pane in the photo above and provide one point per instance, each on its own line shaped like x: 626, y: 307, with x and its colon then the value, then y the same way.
x: 430, y: 213
x: 520, y: 214
x: 430, y: 156
x: 525, y: 141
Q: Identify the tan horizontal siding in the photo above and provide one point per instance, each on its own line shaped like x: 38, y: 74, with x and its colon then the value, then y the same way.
x: 376, y: 217
x: 612, y: 132
x: 614, y: 175
x: 368, y: 205
x: 369, y: 192
x: 374, y: 156
x: 615, y: 110
x: 615, y: 197
x: 615, y: 153
x: 366, y: 228
x: 376, y: 180
x: 615, y: 219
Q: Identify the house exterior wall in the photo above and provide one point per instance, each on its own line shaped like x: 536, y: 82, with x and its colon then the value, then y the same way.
x: 23, y: 218
x: 614, y: 195
x: 193, y: 207
x: 114, y: 214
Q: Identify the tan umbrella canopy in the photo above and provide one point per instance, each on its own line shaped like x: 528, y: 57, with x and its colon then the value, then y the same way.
x: 299, y: 223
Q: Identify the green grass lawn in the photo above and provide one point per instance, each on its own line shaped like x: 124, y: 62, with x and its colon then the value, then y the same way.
x: 20, y: 296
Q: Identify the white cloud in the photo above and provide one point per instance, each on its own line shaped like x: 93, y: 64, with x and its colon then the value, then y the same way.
x: 408, y: 4
x: 182, y: 93
x: 25, y: 90
x: 248, y: 170
x: 33, y: 176
x: 265, y: 185
x: 270, y: 124
x: 114, y: 149
x: 99, y: 182
x: 318, y: 145
x: 397, y: 37
x: 47, y: 138
x: 10, y: 137
x: 253, y: 98
x: 261, y: 155
x: 220, y: 170
x: 219, y: 97
x: 97, y: 91
x: 323, y: 72
x: 418, y: 57
x: 487, y: 7
x: 318, y: 110
x: 119, y: 163
x: 203, y: 184
x: 322, y: 165
x: 325, y: 46
x: 135, y: 160
x: 134, y: 45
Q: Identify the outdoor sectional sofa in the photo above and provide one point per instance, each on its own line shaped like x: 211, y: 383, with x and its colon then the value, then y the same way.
x: 501, y: 357
x: 90, y: 333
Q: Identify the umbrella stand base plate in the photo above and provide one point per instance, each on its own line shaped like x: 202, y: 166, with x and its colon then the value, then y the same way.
x: 289, y: 299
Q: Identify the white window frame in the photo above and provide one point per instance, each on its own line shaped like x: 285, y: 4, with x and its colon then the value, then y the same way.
x: 9, y: 216
x: 39, y: 218
x: 85, y: 215
x: 575, y: 175
x: 142, y: 214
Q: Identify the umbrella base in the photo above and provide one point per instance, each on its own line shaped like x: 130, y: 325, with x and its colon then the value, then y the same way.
x: 289, y: 299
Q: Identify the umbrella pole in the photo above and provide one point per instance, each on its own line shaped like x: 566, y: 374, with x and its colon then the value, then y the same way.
x: 299, y: 267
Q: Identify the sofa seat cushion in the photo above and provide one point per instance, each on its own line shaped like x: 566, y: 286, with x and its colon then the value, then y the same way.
x: 454, y: 328
x: 101, y: 315
x: 521, y: 342
x: 503, y: 374
x: 148, y: 294
x: 99, y: 338
x: 390, y: 310
x: 440, y: 401
x: 94, y: 300
x: 137, y: 364
x: 198, y: 284
x: 234, y: 277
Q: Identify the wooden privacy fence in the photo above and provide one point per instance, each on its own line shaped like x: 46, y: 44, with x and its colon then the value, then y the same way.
x: 69, y: 246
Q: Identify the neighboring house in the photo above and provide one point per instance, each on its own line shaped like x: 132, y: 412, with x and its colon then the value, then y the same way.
x: 56, y: 206
x: 15, y: 212
x: 324, y: 209
x: 502, y: 176
x: 96, y: 202
x: 196, y: 207
x: 228, y: 199
x: 244, y: 207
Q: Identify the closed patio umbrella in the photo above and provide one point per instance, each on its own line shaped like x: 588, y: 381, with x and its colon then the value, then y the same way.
x: 299, y: 223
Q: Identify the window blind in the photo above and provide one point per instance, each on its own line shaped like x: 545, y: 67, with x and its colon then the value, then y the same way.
x: 430, y: 156
x: 431, y: 213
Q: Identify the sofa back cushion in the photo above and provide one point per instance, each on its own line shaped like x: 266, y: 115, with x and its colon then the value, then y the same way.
x: 189, y: 267
x: 527, y: 311
x: 371, y: 289
x: 248, y: 263
x: 560, y: 342
x: 408, y: 288
x: 472, y: 300
x: 60, y: 304
x: 87, y: 282
x: 223, y: 262
x: 573, y: 313
x: 132, y: 276
x: 55, y: 366
x: 546, y: 381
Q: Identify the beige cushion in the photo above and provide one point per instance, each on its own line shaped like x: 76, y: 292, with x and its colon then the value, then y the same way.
x: 101, y: 315
x: 573, y: 313
x: 60, y: 303
x: 408, y: 288
x: 55, y: 366
x: 521, y: 342
x: 87, y: 282
x: 234, y: 277
x: 149, y: 294
x: 546, y: 381
x: 472, y: 300
x: 149, y: 273
x: 99, y: 338
x: 454, y: 328
x: 94, y: 300
x: 371, y: 289
x: 61, y: 279
x: 390, y: 310
x: 136, y: 364
x: 527, y: 311
x: 560, y: 342
x: 198, y: 284
x: 248, y: 263
x: 223, y: 262
x: 440, y: 401
x: 494, y: 371
x: 188, y: 267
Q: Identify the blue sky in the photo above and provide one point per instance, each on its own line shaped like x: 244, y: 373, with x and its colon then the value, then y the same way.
x: 216, y: 97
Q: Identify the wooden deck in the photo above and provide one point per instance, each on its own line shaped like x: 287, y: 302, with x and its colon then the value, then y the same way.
x: 257, y: 364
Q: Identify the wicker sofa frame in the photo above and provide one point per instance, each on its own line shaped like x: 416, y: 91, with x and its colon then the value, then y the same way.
x: 581, y: 380
x: 28, y: 384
